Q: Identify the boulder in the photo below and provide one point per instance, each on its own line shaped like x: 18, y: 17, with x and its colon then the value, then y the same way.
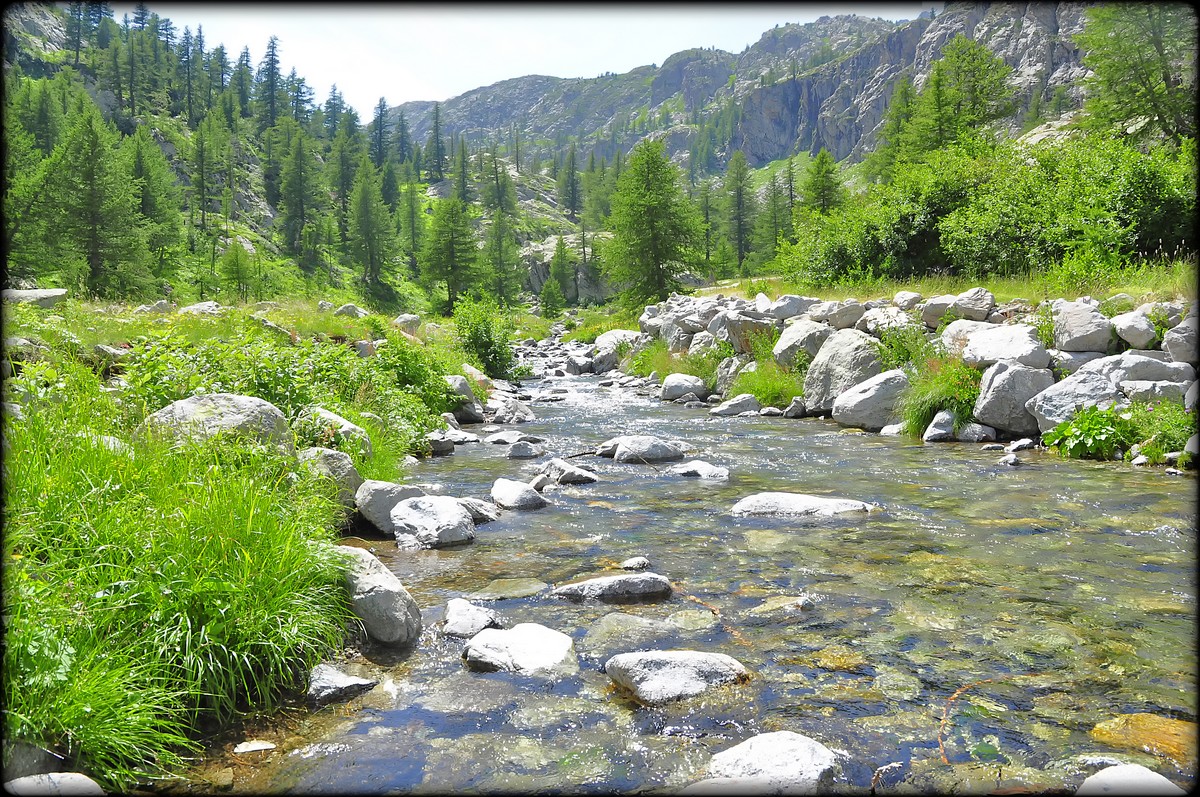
x: 335, y: 431
x: 729, y: 368
x: 470, y: 410
x: 510, y: 494
x: 465, y: 619
x: 523, y: 450
x: 877, y: 319
x: 623, y: 588
x: 802, y: 335
x: 201, y: 308
x: 1060, y: 401
x: 795, y: 409
x: 906, y: 300
x: 375, y: 499
x: 847, y: 358
x: 42, y: 297
x: 1068, y: 362
x: 53, y: 784
x: 458, y: 437
x: 440, y: 444
x: 614, y: 337
x: 676, y: 385
x: 388, y: 613
x: 1127, y: 779
x: 328, y: 684
x: 526, y: 648
x: 564, y: 472
x: 973, y: 305
x: 202, y: 417
x: 639, y: 448
x: 796, y: 505
x: 1131, y: 366
x: 1148, y: 391
x: 743, y: 402
x: 845, y: 314
x: 1135, y: 327
x: 365, y: 348
x: 740, y: 329
x: 481, y: 511
x: 870, y: 404
x: 431, y: 521
x: 656, y: 677
x: 1005, y: 390
x: 790, y: 305
x: 1180, y: 341
x: 161, y: 306
x: 701, y: 342
x: 785, y: 760
x: 1080, y: 327
x: 335, y: 466
x: 407, y: 322
x: 699, y: 469
x: 1015, y: 342
x: 935, y: 308
x: 940, y: 429
x: 510, y: 410
x: 349, y: 309
x: 577, y: 364
x: 956, y: 334
x: 510, y: 436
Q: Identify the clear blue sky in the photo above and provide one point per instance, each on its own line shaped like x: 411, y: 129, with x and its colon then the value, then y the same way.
x: 409, y: 52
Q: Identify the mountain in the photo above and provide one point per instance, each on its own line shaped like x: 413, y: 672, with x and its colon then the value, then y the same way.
x: 799, y: 88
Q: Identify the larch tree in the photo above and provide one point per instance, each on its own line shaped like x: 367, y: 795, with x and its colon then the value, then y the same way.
x: 157, y: 196
x: 301, y: 192
x: 372, y: 237
x: 449, y: 255
x: 268, y: 89
x: 653, y: 227
x: 379, y: 134
x: 739, y: 206
x: 570, y: 194
x: 822, y: 185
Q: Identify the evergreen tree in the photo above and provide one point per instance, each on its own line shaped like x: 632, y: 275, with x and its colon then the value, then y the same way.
x: 462, y: 185
x: 739, y: 207
x: 882, y: 161
x: 235, y: 269
x: 435, y: 148
x: 241, y: 82
x: 562, y: 270
x: 498, y: 192
x: 300, y: 196
x: 379, y: 136
x: 774, y: 221
x: 823, y: 186
x: 550, y: 300
x: 412, y: 218
x: 402, y: 142
x: 653, y: 227
x: 299, y: 97
x: 1142, y: 59
x: 372, y: 241
x: 209, y: 144
x: 570, y: 196
x: 342, y: 166
x: 389, y: 185
x: 449, y: 254
x: 268, y: 87
x: 157, y: 197
x: 500, y: 249
x: 706, y: 205
x: 335, y: 106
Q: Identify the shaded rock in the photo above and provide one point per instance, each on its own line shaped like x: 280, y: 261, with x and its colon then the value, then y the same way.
x: 465, y: 619
x: 335, y: 466
x: 334, y: 431
x: 975, y: 433
x: 431, y: 521
x: 941, y: 428
x: 729, y: 368
x: 871, y: 403
x: 656, y: 677
x: 626, y: 587
x: 1180, y: 341
x: 202, y: 417
x: 511, y: 494
x: 743, y: 402
x: 795, y: 409
x: 470, y: 410
x: 784, y: 759
x: 847, y: 358
x: 42, y: 297
x: 328, y: 685
x: 440, y: 444
x: 700, y: 469
x: 375, y: 500
x: 1068, y: 362
x: 388, y: 613
x: 1005, y: 390
x: 795, y: 505
x: 526, y: 648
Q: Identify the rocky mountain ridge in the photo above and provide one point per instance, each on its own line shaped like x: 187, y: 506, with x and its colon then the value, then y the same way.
x: 799, y: 88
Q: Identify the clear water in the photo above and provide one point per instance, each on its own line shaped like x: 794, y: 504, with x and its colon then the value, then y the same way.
x: 1067, y: 588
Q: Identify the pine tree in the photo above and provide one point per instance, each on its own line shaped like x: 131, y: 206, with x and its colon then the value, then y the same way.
x: 389, y: 185
x: 550, y: 300
x: 462, y: 185
x: 242, y: 82
x: 882, y: 161
x: 653, y: 227
x: 435, y: 149
x: 739, y: 207
x: 268, y: 86
x: 823, y: 187
x: 500, y: 249
x: 570, y: 196
x: 450, y: 254
x: 235, y: 269
x: 498, y: 192
x: 402, y: 143
x: 379, y: 134
x: 412, y: 219
x: 335, y: 106
x: 342, y: 165
x: 562, y: 270
x: 774, y: 221
x: 157, y: 196
x: 372, y: 240
x: 301, y: 194
x: 208, y: 147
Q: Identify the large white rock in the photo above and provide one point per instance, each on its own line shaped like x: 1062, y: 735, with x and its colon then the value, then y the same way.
x: 871, y: 403
x: 614, y: 337
x: 350, y: 309
x: 407, y: 322
x: 639, y: 448
x: 1148, y: 391
x: 53, y: 784
x: 974, y: 304
x: 338, y: 432
x: 1080, y: 327
x: 1127, y: 779
x: 202, y: 417
x: 1004, y: 391
x: 465, y: 619
x: 956, y: 334
x: 935, y: 308
x: 378, y: 599
x: 698, y: 468
x: 678, y: 385
x: 1134, y: 366
x: 740, y: 330
x: 1135, y: 327
x: 335, y: 466
x: 742, y: 402
x: 796, y: 505
x: 784, y: 759
x: 1180, y: 341
x: 802, y: 335
x: 846, y: 358
x: 42, y: 297
x: 375, y: 501
x: 526, y: 648
x: 431, y: 521
x: 1060, y: 401
x: 564, y: 472
x: 512, y: 494
x: 790, y: 305
x: 877, y: 319
x: 906, y: 300
x: 1016, y: 342
x: 202, y: 308
x: 656, y: 677
x: 625, y: 587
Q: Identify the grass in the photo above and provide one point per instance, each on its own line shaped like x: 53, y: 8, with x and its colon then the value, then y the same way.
x: 157, y: 595
x: 772, y: 384
x: 938, y: 382
x: 656, y: 357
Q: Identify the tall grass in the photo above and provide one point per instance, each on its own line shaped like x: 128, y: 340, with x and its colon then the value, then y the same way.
x: 772, y: 384
x: 656, y: 357
x: 155, y: 594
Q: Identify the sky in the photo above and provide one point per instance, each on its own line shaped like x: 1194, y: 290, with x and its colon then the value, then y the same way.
x: 406, y: 52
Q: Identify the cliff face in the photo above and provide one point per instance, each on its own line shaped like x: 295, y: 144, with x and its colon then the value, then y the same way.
x: 799, y: 88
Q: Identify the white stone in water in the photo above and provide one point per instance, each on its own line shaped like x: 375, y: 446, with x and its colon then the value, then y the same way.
x: 784, y: 759
x: 635, y: 563
x: 54, y: 783
x: 388, y: 613
x: 699, y: 468
x: 796, y: 504
x: 1127, y: 779
x: 254, y: 745
x: 619, y: 588
x: 465, y: 619
x: 431, y: 521
x: 526, y: 648
x: 511, y: 494
x: 661, y: 676
x: 328, y: 684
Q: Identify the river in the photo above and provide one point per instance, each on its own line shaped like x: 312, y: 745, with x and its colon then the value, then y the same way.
x: 1055, y: 595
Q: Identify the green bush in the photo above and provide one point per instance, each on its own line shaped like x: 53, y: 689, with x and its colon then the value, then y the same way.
x: 770, y: 383
x: 485, y: 333
x: 900, y: 346
x: 938, y: 382
x: 1093, y: 433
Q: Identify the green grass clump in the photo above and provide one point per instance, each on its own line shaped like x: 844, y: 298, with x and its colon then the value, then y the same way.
x: 771, y: 383
x: 158, y: 594
x: 938, y: 382
x: 656, y: 357
x: 595, y: 322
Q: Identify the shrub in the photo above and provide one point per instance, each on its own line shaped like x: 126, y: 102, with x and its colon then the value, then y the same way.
x: 485, y: 332
x: 900, y: 346
x: 1093, y: 433
x: 770, y: 383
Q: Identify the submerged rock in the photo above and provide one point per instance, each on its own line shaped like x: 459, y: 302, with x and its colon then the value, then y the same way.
x: 526, y: 648
x: 661, y: 676
x: 626, y: 587
x: 796, y: 504
x: 328, y: 684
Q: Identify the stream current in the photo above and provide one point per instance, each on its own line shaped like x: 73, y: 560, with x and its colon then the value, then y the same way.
x: 1060, y: 594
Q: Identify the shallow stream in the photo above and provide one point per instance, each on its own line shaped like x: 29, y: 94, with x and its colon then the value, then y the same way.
x: 1060, y: 593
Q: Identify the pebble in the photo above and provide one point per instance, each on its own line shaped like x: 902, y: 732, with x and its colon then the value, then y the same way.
x: 1008, y: 459
x: 635, y: 563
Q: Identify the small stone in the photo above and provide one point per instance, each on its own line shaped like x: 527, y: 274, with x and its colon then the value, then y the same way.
x: 1009, y: 459
x: 253, y: 746
x: 992, y: 447
x: 635, y: 563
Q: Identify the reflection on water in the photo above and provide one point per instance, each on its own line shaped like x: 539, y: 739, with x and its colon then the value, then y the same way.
x: 1063, y: 593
